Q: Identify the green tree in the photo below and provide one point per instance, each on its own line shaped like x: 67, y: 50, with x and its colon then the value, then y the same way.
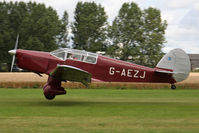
x: 89, y: 27
x: 39, y: 29
x: 126, y: 29
x: 141, y: 32
x: 37, y: 25
x: 63, y: 36
x: 153, y: 42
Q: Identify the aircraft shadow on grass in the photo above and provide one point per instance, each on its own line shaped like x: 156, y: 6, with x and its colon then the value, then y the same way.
x: 102, y: 103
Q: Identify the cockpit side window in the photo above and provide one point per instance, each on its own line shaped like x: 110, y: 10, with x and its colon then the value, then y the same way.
x: 90, y: 59
x: 60, y: 55
x: 83, y: 58
x: 69, y: 56
x: 74, y: 56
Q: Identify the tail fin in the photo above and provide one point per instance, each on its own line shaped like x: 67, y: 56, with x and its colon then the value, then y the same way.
x: 177, y: 63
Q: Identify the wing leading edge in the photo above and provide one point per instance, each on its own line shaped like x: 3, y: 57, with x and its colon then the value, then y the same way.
x: 70, y: 73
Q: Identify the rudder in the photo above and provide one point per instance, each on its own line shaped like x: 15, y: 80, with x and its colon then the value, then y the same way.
x: 178, y: 62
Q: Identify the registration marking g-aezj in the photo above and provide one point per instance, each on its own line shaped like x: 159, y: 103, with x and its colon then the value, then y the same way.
x: 128, y: 73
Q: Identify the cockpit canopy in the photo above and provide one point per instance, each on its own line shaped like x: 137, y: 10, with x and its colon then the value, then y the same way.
x: 73, y: 54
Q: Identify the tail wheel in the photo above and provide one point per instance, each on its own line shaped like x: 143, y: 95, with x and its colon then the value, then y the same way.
x: 173, y: 87
x: 49, y: 97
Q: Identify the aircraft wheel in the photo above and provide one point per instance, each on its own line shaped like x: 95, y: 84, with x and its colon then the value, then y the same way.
x: 173, y: 87
x: 49, y: 97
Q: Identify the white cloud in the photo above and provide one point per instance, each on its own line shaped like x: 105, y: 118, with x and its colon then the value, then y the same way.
x: 181, y: 37
x: 183, y: 24
x: 191, y: 19
x: 180, y: 3
x: 188, y: 46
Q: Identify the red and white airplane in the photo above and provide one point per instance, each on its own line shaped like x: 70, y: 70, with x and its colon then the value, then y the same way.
x: 81, y: 66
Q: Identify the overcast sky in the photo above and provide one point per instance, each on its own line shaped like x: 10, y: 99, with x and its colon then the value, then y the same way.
x: 182, y: 17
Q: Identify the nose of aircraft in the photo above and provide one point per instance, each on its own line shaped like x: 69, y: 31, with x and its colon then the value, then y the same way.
x: 12, y: 52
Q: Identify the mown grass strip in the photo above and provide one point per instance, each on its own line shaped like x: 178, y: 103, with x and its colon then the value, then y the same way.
x: 100, y: 111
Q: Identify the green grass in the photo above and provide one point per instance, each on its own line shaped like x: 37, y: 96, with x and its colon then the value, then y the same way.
x: 100, y: 111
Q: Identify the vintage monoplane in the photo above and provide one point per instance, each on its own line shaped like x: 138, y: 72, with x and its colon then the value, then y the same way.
x: 66, y: 64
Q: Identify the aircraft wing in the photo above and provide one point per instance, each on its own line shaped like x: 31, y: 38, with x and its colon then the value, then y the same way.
x: 70, y: 73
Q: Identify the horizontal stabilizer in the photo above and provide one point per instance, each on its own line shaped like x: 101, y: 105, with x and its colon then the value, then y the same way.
x: 169, y: 72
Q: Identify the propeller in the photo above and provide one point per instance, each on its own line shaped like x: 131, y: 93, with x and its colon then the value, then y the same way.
x: 13, y: 52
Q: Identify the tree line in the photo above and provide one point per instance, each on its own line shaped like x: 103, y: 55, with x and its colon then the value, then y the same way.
x: 135, y: 35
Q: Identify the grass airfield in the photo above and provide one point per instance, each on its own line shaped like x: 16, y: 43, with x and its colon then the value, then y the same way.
x: 100, y: 111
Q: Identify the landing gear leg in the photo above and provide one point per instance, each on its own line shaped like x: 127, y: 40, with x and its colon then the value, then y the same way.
x: 53, y: 88
x: 173, y: 87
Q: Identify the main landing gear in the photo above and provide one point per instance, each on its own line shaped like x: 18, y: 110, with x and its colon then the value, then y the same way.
x: 53, y: 88
x: 173, y: 87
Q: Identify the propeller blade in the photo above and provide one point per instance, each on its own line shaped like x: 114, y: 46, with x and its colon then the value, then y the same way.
x: 13, y: 61
x: 13, y: 52
x: 16, y: 43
